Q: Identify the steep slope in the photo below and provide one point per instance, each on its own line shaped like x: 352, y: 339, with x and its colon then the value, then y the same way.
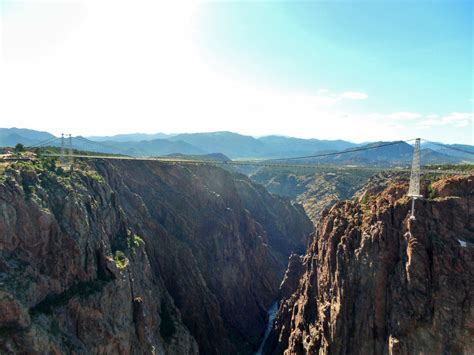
x: 207, y: 221
x: 375, y: 282
x: 134, y: 256
x: 73, y: 275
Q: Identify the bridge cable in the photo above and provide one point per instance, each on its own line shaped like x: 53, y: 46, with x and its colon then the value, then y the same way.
x: 43, y: 143
x: 110, y: 148
x: 450, y: 147
x: 350, y: 150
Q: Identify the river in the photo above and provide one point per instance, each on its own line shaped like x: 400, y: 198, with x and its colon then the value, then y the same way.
x: 271, y: 316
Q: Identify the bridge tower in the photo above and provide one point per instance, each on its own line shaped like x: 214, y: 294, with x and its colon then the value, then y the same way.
x: 71, y: 158
x: 62, y: 160
x: 414, y: 190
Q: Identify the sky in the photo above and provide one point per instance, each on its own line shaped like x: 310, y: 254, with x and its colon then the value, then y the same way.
x: 355, y: 70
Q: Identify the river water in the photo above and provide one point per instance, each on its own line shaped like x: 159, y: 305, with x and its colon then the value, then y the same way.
x: 271, y: 316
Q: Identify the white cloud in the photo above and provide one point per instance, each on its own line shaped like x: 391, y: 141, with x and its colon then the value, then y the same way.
x: 455, y: 119
x: 354, y: 95
x: 396, y: 116
x: 404, y: 116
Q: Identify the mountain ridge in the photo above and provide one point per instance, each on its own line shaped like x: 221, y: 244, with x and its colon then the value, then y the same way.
x: 237, y: 146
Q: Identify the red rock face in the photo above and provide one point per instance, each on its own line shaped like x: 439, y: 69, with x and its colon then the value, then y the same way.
x: 140, y: 258
x: 61, y: 290
x: 221, y: 242
x: 375, y: 282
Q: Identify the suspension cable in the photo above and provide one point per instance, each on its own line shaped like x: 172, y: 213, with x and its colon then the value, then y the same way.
x: 350, y: 150
x: 450, y: 147
x: 42, y: 143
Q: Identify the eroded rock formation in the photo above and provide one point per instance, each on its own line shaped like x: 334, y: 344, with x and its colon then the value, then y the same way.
x: 375, y: 282
x: 139, y: 258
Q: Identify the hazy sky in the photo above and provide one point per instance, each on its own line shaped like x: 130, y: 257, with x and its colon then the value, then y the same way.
x: 356, y: 70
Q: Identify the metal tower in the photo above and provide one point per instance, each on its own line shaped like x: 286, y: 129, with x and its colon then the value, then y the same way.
x: 414, y: 190
x: 71, y: 159
x: 63, y: 161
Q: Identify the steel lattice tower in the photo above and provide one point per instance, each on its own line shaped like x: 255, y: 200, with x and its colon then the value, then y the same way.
x: 63, y: 160
x: 71, y: 159
x: 414, y: 190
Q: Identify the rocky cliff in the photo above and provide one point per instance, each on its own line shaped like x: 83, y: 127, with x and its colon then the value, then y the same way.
x: 137, y: 257
x: 375, y: 282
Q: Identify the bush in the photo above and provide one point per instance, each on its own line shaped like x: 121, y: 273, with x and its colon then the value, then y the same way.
x: 120, y: 259
x: 134, y: 241
x: 19, y: 148
x: 432, y: 193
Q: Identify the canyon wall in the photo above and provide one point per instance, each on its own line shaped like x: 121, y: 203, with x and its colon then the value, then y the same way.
x: 374, y: 281
x: 138, y: 257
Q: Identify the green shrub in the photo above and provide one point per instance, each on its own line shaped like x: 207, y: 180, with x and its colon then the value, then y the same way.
x: 94, y: 175
x: 19, y: 148
x: 120, y: 259
x: 134, y: 241
x: 432, y: 193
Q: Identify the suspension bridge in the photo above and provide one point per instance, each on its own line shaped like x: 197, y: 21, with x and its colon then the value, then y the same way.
x: 99, y: 150
x: 67, y: 156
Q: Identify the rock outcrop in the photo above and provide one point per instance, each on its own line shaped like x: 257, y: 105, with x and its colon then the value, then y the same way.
x: 138, y: 258
x: 376, y: 282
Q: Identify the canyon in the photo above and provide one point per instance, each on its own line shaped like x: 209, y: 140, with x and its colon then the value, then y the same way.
x: 137, y: 257
x: 374, y: 281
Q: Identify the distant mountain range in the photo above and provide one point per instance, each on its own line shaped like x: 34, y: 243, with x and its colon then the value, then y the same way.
x: 384, y: 153
x: 460, y: 150
x: 237, y: 146
x: 11, y: 136
x: 131, y: 137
